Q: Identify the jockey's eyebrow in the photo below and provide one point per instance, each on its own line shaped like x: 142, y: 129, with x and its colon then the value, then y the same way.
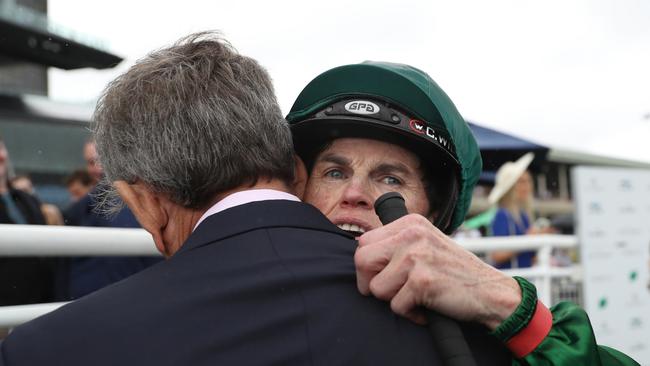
x: 397, y: 167
x: 335, y: 159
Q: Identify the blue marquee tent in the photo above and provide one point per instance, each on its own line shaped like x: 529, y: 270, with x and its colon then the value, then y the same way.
x: 498, y: 147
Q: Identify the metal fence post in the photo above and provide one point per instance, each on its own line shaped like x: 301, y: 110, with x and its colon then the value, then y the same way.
x: 544, y: 263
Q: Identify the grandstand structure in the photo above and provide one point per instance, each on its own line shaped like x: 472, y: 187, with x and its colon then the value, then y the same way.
x: 44, y: 137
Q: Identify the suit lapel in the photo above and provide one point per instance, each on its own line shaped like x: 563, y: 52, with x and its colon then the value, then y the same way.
x: 258, y: 215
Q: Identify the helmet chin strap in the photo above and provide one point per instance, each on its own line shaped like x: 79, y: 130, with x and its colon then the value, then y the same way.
x: 444, y: 218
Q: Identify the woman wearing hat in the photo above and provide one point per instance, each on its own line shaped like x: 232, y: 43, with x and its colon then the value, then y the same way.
x: 369, y: 128
x: 513, y: 193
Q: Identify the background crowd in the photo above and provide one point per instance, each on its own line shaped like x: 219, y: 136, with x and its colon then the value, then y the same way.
x: 25, y: 280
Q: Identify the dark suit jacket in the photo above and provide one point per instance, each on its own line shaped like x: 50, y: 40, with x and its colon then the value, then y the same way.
x: 25, y: 280
x: 265, y: 283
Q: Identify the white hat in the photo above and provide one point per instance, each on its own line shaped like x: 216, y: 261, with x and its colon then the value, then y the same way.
x: 507, y: 176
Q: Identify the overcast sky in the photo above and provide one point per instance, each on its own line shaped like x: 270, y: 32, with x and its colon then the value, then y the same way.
x: 572, y: 74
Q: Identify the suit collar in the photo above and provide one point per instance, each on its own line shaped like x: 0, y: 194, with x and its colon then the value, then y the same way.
x: 243, y: 197
x: 258, y: 215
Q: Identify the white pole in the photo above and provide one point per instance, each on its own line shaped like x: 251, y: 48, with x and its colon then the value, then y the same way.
x: 41, y: 240
x: 544, y: 263
x: 11, y: 316
x: 517, y: 242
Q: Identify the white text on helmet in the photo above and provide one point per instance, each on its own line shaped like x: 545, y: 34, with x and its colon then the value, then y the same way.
x: 362, y: 107
x: 421, y: 128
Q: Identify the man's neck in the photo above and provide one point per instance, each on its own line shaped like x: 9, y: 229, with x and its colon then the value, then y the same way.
x: 185, y: 219
x: 262, y: 183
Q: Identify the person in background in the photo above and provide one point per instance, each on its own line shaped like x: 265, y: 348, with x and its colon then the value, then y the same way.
x: 93, y: 167
x: 79, y: 184
x: 51, y: 213
x: 513, y: 195
x: 23, y: 280
x: 88, y: 274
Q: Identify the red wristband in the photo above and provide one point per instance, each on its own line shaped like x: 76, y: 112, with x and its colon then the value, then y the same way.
x: 524, y: 342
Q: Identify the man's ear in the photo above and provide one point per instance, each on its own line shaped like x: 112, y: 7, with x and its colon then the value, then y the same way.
x: 147, y: 208
x: 300, y: 181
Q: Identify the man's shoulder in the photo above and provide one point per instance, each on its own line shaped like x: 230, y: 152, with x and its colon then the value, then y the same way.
x: 95, y: 325
x: 301, y: 280
x: 105, y: 305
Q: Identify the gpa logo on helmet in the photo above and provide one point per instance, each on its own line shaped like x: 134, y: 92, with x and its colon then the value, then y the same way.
x: 362, y: 107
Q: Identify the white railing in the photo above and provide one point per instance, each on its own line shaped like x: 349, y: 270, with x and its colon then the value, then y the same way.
x: 543, y: 273
x: 34, y: 240
x: 11, y: 316
x: 41, y: 240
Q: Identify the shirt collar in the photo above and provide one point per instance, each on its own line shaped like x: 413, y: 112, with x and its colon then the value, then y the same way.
x: 243, y: 197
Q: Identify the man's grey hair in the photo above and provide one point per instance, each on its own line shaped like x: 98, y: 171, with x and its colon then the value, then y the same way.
x: 191, y: 121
